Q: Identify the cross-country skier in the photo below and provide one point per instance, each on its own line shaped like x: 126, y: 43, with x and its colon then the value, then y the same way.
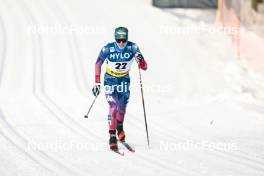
x: 118, y: 56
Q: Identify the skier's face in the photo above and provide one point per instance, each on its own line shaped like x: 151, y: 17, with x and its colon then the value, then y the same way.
x: 121, y: 43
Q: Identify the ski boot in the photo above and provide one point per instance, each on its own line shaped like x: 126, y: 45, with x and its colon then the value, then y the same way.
x: 120, y: 131
x: 113, y: 141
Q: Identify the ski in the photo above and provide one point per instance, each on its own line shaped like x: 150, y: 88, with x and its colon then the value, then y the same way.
x: 128, y: 147
x: 118, y: 152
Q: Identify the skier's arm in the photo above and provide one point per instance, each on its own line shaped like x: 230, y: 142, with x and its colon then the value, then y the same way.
x: 142, y: 64
x: 99, y: 62
x: 98, y: 66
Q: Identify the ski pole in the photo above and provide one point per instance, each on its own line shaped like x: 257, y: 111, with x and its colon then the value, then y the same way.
x: 86, y: 116
x: 143, y: 103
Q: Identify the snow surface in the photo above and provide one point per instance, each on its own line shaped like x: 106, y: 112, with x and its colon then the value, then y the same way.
x: 204, y: 110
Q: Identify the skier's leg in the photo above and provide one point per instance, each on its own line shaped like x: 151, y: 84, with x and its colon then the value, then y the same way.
x: 120, y: 114
x: 122, y: 101
x: 111, y: 97
x: 112, y: 121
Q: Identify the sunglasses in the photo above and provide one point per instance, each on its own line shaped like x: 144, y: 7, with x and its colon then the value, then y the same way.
x: 121, y: 40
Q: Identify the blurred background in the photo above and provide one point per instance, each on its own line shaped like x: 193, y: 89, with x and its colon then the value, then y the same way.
x: 246, y: 15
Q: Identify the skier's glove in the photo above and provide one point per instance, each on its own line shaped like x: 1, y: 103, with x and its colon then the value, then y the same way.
x: 142, y: 65
x: 141, y: 61
x: 96, y: 89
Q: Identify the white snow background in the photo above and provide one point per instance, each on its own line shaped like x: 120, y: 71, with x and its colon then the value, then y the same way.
x: 204, y: 110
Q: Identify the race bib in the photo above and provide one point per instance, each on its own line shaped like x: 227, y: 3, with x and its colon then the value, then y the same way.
x: 118, y: 68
